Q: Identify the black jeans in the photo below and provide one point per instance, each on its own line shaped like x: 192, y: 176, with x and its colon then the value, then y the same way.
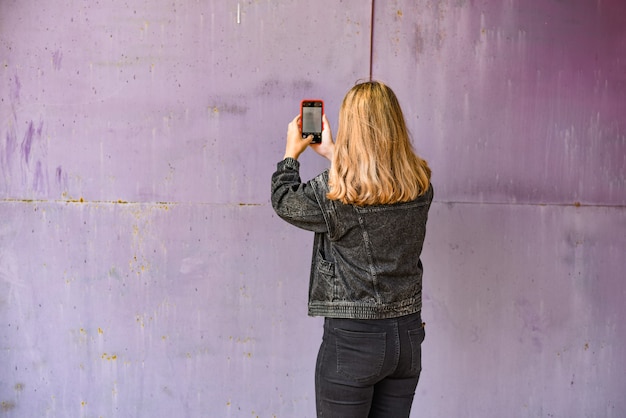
x: 368, y: 368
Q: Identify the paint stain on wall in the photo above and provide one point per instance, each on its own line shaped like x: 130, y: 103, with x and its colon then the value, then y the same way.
x: 10, y: 146
x: 14, y: 89
x: 57, y: 57
x: 533, y: 327
x: 24, y: 164
x: 61, y: 178
x: 39, y: 183
x: 27, y: 142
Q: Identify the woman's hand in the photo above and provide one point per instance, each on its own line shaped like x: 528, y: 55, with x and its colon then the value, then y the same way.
x: 295, y: 143
x: 327, y: 147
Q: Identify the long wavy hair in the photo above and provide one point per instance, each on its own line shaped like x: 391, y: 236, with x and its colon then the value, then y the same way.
x: 373, y: 161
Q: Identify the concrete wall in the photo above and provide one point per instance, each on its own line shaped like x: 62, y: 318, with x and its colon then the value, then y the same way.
x: 143, y: 272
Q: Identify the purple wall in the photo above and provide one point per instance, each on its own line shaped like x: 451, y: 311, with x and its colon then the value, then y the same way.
x: 143, y: 272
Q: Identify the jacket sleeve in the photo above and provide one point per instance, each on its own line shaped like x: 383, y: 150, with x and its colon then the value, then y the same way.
x: 294, y: 201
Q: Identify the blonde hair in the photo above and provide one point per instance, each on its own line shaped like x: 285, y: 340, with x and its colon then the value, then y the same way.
x: 373, y: 161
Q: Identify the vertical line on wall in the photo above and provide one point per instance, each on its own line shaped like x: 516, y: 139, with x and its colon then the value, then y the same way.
x: 372, y: 41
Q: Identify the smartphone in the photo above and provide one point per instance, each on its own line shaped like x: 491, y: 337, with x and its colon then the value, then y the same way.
x: 311, y: 111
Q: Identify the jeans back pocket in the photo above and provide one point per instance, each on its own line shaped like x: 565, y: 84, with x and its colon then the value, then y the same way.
x: 416, y: 337
x: 360, y: 355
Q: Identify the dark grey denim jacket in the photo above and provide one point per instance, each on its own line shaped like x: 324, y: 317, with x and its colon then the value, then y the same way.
x: 366, y: 260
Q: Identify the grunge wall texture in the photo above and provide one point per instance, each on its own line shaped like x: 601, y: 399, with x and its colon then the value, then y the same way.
x: 144, y: 274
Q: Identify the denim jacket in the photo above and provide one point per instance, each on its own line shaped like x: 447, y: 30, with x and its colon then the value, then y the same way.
x: 366, y: 259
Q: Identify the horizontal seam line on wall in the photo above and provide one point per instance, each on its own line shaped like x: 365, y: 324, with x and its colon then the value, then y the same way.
x: 575, y: 204
x: 124, y: 202
x: 159, y: 203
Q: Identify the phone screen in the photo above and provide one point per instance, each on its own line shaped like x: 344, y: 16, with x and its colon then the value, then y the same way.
x: 311, y: 119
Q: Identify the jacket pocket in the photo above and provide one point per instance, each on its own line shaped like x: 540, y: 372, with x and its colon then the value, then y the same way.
x: 323, y: 286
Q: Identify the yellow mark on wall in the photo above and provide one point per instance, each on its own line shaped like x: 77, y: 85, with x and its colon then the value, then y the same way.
x: 143, y: 319
x: 240, y: 340
x: 67, y: 200
x: 7, y: 405
x: 112, y: 357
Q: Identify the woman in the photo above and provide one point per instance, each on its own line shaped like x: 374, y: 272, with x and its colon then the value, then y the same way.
x: 368, y: 212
